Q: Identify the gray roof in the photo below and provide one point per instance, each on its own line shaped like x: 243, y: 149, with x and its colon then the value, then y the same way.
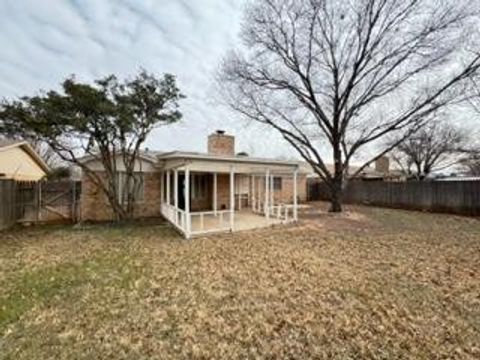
x: 234, y: 158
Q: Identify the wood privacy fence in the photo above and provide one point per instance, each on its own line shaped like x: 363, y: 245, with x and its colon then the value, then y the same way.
x: 456, y: 197
x: 7, y: 203
x: 33, y: 202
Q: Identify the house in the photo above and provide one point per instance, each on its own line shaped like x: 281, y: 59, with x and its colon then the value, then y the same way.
x: 381, y: 172
x: 208, y: 192
x: 19, y: 161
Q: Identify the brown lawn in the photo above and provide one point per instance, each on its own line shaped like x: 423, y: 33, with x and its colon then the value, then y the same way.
x: 371, y: 283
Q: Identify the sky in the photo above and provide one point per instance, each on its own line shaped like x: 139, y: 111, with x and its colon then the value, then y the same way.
x: 45, y: 41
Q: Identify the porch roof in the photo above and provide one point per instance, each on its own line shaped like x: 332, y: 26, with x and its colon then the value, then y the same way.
x: 219, y: 163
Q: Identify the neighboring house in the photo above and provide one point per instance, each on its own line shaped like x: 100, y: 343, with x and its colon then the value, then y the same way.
x: 208, y: 192
x: 19, y: 161
x: 381, y: 172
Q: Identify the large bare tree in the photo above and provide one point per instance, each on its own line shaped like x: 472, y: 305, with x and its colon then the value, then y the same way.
x: 435, y: 147
x: 347, y: 74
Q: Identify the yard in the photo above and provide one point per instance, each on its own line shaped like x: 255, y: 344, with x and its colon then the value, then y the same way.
x: 372, y: 283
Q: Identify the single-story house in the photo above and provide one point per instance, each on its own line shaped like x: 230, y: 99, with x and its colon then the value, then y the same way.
x: 19, y: 161
x: 380, y: 172
x: 208, y: 192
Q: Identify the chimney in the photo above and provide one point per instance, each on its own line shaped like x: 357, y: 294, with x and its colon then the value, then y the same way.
x: 382, y: 165
x: 221, y: 144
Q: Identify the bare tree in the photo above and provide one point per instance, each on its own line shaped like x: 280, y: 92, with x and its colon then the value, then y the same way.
x: 471, y: 164
x: 348, y: 73
x: 436, y: 147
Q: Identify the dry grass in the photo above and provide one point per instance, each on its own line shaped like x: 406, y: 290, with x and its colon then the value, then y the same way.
x: 372, y: 283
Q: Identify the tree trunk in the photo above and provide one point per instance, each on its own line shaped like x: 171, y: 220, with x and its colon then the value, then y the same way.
x: 336, y: 196
x: 337, y: 181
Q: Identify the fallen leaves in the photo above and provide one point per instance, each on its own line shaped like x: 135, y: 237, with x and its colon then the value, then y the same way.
x: 374, y: 284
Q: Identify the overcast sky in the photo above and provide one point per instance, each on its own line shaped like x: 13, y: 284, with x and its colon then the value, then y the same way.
x: 44, y: 41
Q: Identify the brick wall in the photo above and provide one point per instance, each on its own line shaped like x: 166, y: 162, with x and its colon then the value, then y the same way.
x: 285, y: 195
x: 95, y: 205
x: 221, y: 144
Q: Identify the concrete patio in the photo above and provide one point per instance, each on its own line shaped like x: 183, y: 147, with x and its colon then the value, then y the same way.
x: 243, y: 219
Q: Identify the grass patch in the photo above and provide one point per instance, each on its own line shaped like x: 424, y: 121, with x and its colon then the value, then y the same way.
x: 59, y: 283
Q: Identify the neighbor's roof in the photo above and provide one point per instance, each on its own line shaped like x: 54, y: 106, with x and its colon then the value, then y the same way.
x: 6, y: 144
x: 144, y: 155
x: 222, y: 158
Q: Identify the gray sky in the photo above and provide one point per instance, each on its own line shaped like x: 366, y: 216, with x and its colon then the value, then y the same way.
x: 44, y: 41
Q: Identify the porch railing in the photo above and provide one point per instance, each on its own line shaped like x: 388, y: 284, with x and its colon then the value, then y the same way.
x: 204, y: 222
x: 176, y: 216
x: 283, y: 212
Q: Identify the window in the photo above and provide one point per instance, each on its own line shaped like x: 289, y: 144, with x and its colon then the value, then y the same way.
x: 277, y: 183
x: 137, y: 185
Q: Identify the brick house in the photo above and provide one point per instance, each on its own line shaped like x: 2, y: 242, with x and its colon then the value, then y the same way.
x: 226, y: 191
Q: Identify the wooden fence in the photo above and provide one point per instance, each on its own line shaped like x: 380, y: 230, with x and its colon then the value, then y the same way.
x: 7, y: 203
x: 456, y: 197
x: 38, y: 202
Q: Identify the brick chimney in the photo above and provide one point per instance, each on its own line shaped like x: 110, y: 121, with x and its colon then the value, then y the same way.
x: 221, y: 144
x: 382, y: 165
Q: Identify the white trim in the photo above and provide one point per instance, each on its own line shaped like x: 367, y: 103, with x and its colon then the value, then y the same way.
x: 187, y: 202
x: 215, y: 200
x: 168, y: 188
x: 232, y: 199
x: 266, y: 206
x: 175, y: 189
x: 295, y: 195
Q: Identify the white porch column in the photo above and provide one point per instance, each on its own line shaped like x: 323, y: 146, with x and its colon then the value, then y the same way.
x: 232, y: 199
x: 187, y: 203
x: 272, y: 191
x: 252, y: 193
x: 162, y: 188
x: 267, y: 188
x: 168, y: 188
x: 295, y: 205
x: 215, y: 194
x: 175, y: 188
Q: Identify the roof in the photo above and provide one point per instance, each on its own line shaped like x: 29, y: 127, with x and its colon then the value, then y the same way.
x: 150, y: 156
x: 458, y: 178
x: 187, y: 155
x: 6, y: 144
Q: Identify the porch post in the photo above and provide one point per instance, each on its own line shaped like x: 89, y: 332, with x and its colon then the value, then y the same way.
x: 175, y: 188
x: 232, y: 198
x: 252, y: 193
x: 168, y: 188
x: 295, y: 211
x: 215, y: 194
x: 187, y: 203
x: 272, y: 192
x: 162, y: 188
x: 267, y: 187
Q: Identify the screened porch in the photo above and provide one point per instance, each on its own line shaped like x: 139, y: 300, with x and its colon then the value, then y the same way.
x: 201, y: 198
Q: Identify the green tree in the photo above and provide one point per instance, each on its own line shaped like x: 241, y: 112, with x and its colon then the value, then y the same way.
x: 107, y: 121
